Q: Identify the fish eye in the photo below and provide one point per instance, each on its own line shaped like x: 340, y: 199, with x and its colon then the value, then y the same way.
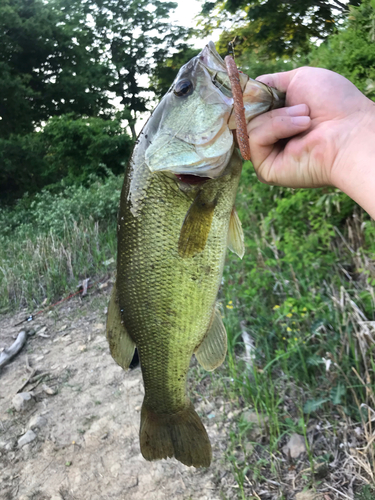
x: 183, y: 88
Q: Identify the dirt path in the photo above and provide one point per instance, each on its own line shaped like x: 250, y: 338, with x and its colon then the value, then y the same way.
x: 86, y: 444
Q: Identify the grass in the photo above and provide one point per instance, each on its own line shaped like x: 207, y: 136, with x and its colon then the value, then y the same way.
x: 50, y: 244
x: 299, y: 313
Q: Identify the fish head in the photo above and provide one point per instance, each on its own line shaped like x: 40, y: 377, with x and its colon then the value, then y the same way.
x: 191, y: 130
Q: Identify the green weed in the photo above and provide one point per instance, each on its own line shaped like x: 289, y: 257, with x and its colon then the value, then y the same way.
x: 303, y: 296
x: 51, y: 243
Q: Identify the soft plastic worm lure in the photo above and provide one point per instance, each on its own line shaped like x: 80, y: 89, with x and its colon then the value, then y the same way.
x: 239, y: 110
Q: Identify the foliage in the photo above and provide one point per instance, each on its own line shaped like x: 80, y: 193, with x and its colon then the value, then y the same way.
x: 303, y: 292
x: 255, y: 65
x: 166, y: 71
x: 46, y: 211
x: 139, y: 35
x: 351, y: 51
x: 68, y: 148
x: 50, y: 242
x: 271, y: 27
x: 49, y: 64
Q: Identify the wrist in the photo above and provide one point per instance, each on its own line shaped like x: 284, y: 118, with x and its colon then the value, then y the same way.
x: 353, y: 171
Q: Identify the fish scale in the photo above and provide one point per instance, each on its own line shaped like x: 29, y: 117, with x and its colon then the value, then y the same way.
x: 175, y: 222
x: 177, y: 312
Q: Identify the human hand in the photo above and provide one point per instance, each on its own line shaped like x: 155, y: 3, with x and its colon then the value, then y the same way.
x: 330, y: 125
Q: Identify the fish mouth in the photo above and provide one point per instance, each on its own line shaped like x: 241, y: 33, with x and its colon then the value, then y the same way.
x: 201, y: 145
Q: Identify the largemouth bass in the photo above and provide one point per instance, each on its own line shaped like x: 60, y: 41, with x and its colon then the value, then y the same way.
x: 175, y: 222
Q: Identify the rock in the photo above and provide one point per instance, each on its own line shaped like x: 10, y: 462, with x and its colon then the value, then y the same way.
x: 249, y: 448
x: 295, y: 446
x: 37, y: 422
x: 308, y: 495
x: 23, y: 401
x: 48, y: 390
x: 26, y: 438
x: 11, y: 444
x: 251, y: 417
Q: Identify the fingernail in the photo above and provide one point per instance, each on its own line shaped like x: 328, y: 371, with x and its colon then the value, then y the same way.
x: 267, y: 79
x: 301, y: 121
x: 298, y: 110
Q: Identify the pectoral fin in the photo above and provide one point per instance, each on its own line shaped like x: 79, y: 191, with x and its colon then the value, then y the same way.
x: 196, y: 226
x: 235, y: 235
x: 120, y: 344
x: 211, y: 352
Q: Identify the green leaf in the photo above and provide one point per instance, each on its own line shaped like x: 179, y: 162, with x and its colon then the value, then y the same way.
x: 337, y: 393
x: 314, y: 404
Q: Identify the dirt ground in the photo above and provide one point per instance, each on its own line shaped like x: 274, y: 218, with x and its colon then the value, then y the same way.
x: 85, y: 415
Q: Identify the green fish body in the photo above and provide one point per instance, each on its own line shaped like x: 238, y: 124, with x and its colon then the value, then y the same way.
x: 175, y: 222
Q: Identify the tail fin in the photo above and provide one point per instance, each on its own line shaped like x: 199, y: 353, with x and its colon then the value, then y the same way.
x: 181, y: 435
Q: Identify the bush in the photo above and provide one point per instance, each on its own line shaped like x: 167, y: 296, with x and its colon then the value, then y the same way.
x: 50, y: 242
x: 351, y: 51
x: 67, y: 148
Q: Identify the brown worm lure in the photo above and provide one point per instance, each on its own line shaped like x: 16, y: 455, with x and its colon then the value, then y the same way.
x: 239, y: 110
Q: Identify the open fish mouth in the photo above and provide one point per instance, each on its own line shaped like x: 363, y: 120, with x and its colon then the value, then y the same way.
x: 194, y: 136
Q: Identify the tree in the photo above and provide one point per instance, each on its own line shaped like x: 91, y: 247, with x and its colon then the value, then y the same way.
x: 166, y: 70
x: 49, y: 65
x: 276, y: 28
x: 139, y: 36
x: 67, y: 148
x: 351, y: 51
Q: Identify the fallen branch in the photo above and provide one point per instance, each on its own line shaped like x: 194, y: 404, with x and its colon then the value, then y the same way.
x: 14, y: 349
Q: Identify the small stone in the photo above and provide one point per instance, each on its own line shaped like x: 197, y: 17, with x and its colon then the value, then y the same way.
x: 37, y: 422
x: 249, y: 448
x: 26, y: 438
x: 82, y: 347
x: 23, y: 401
x: 48, y: 390
x: 308, y: 495
x: 98, y: 326
x: 251, y: 417
x: 11, y: 444
x: 295, y: 446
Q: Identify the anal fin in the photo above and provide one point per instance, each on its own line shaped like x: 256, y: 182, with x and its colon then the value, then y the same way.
x: 120, y: 344
x: 235, y: 235
x: 211, y: 352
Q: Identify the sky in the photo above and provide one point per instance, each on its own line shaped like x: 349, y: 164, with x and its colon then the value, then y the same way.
x: 184, y: 16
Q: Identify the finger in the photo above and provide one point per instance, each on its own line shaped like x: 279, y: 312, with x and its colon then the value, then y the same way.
x: 266, y: 151
x: 298, y: 110
x: 280, y: 81
x: 275, y: 128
